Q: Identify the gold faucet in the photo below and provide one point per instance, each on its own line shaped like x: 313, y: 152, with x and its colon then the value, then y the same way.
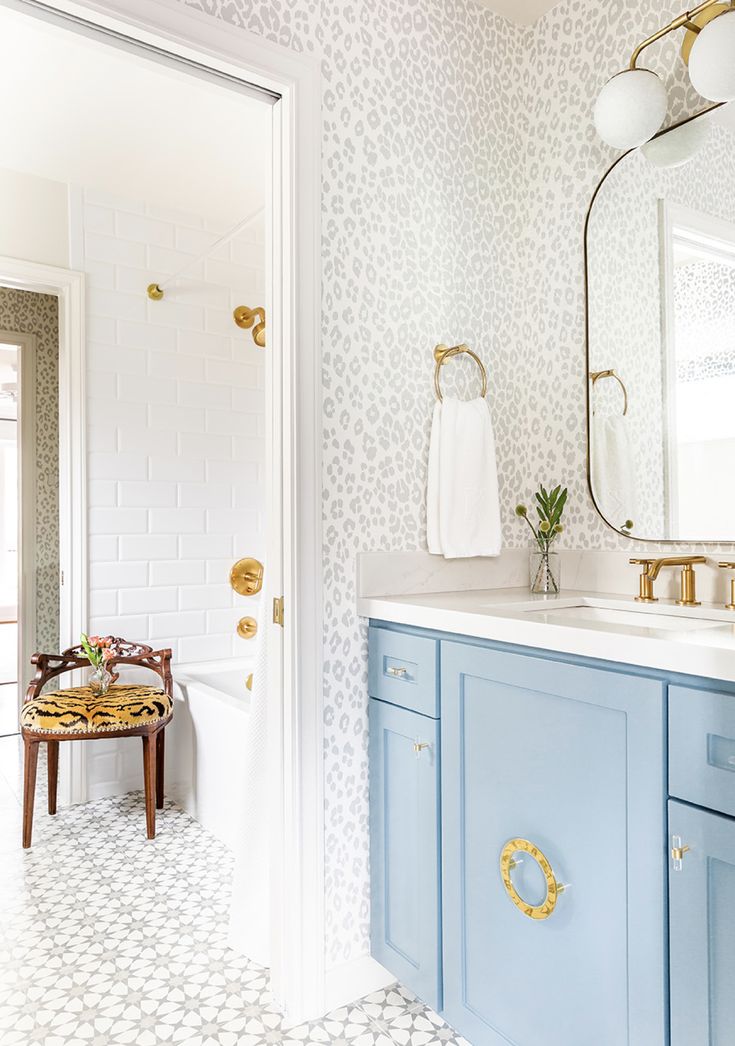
x: 645, y: 585
x: 688, y: 589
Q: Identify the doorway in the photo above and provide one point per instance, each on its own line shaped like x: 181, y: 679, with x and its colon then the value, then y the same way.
x: 291, y: 422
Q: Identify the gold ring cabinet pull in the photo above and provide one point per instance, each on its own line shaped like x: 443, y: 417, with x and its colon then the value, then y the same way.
x: 553, y: 888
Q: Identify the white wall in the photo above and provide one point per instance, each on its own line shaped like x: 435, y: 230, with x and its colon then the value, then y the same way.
x: 34, y: 222
x: 176, y: 439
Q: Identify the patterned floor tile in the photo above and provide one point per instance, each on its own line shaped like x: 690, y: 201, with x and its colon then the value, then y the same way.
x: 109, y: 939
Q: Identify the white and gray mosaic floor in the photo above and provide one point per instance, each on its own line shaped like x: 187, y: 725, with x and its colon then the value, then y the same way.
x: 108, y: 939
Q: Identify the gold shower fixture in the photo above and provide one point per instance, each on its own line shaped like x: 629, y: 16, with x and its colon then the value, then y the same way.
x: 245, y: 317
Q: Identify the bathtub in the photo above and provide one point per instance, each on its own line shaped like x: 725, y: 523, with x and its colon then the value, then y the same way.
x: 205, y: 773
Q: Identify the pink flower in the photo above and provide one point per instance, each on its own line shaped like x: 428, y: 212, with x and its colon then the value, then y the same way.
x: 93, y: 640
x: 108, y: 655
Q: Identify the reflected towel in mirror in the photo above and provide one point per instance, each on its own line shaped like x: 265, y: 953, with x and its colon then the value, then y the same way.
x: 462, y: 504
x: 613, y: 469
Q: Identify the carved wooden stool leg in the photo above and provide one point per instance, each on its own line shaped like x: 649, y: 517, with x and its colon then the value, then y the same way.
x: 149, y: 781
x: 53, y: 774
x: 160, y: 755
x: 30, y: 762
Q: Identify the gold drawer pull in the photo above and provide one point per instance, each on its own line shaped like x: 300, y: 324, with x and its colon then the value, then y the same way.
x: 553, y: 888
x: 399, y: 673
x: 419, y: 746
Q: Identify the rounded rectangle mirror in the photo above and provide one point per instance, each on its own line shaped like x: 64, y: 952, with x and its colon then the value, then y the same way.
x: 660, y: 282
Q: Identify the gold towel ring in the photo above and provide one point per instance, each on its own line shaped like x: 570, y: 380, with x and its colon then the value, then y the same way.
x: 442, y: 354
x: 553, y: 888
x: 595, y: 375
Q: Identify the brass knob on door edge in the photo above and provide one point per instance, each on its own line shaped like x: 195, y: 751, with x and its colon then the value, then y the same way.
x: 247, y: 627
x: 246, y: 576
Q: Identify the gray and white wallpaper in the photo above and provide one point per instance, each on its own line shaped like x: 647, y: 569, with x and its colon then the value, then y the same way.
x: 26, y: 312
x: 459, y: 158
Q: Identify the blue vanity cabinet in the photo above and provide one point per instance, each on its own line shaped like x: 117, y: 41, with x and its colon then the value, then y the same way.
x: 702, y: 927
x: 571, y: 759
x: 404, y: 846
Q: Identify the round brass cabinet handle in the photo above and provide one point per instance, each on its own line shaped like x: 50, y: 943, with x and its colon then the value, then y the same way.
x: 553, y: 888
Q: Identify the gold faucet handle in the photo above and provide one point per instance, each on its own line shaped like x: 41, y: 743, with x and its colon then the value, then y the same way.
x: 645, y: 584
x: 729, y: 564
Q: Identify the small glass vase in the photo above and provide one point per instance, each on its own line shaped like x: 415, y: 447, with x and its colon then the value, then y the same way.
x: 100, y: 680
x: 545, y: 573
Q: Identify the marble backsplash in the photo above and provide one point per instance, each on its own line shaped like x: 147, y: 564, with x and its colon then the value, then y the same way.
x: 585, y: 570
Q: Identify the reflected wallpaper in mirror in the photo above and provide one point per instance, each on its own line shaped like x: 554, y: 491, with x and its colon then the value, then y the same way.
x: 660, y: 249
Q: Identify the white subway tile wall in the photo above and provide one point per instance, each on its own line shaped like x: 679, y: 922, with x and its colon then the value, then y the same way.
x: 175, y: 426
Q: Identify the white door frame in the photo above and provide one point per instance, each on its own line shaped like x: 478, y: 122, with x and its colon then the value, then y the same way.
x: 296, y: 729
x: 26, y: 452
x: 68, y: 287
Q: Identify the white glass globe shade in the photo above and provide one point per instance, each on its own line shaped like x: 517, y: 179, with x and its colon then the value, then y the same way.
x: 712, y: 59
x: 677, y: 146
x: 630, y: 108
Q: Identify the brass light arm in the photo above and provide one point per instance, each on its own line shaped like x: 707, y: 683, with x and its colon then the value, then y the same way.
x: 683, y: 21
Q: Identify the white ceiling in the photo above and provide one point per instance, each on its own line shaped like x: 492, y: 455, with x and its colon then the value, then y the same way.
x: 79, y: 111
x: 523, y: 12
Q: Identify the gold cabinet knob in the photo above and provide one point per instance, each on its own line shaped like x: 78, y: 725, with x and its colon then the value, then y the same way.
x: 246, y: 576
x: 419, y: 746
x: 249, y: 682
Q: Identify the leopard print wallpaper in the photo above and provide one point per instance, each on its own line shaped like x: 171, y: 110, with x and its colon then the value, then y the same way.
x: 25, y: 312
x: 459, y: 158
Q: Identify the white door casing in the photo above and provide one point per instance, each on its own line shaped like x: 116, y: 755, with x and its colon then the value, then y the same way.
x: 169, y: 29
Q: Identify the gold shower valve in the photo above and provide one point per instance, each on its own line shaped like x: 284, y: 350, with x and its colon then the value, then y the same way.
x: 246, y: 576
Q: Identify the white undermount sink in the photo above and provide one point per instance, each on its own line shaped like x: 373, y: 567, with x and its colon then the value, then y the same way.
x: 600, y: 617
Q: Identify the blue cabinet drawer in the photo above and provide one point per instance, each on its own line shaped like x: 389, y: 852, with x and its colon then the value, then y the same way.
x: 405, y: 919
x: 404, y: 670
x: 702, y: 747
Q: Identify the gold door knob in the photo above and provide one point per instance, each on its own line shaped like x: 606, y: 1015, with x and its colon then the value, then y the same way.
x: 246, y: 576
x: 247, y: 627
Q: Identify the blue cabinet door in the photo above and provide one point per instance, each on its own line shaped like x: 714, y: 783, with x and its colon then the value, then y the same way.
x: 569, y: 758
x: 404, y: 847
x: 702, y: 928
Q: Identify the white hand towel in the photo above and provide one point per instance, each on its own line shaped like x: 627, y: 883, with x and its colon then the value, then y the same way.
x: 250, y: 907
x: 463, y: 509
x: 613, y: 474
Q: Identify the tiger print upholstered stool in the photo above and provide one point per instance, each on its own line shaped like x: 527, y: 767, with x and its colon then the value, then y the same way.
x: 126, y: 710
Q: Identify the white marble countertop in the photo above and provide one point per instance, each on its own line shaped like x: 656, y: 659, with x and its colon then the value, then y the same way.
x: 703, y: 646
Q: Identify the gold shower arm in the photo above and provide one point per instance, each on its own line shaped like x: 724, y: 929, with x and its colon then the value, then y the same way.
x: 245, y: 317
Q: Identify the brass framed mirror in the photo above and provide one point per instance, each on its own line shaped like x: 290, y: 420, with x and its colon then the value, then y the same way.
x: 660, y: 335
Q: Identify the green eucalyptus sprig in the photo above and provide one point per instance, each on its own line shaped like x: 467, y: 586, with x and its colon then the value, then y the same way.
x: 550, y: 507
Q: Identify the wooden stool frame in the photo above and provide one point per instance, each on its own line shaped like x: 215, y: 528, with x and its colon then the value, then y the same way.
x: 48, y: 666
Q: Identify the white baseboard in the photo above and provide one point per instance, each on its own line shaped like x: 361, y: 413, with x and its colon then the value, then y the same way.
x: 353, y: 980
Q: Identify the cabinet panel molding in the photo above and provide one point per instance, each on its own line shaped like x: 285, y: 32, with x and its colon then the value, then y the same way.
x: 570, y: 758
